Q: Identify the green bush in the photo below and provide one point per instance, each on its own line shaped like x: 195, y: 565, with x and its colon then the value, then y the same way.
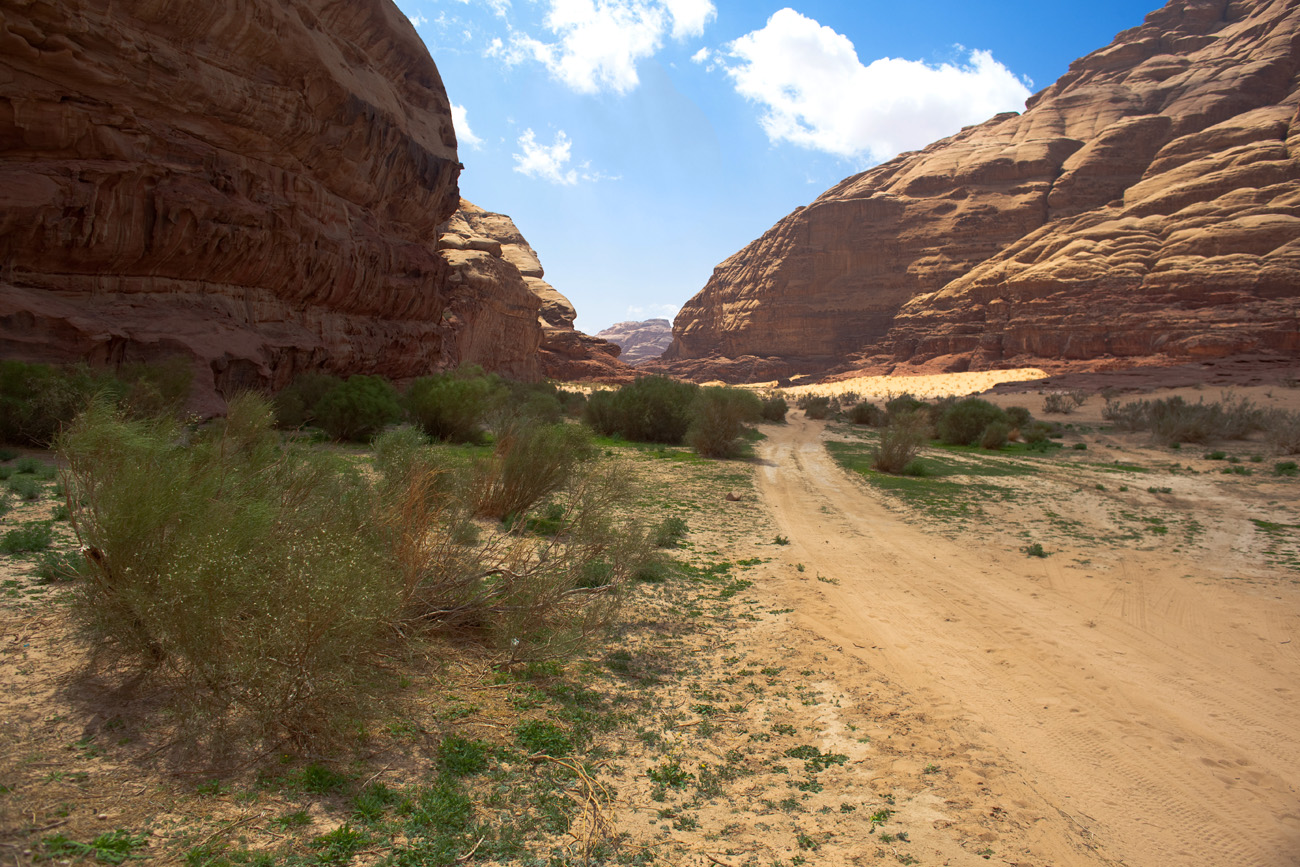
x: 7, y: 455
x: 965, y: 421
x: 59, y: 566
x: 652, y: 409
x: 531, y: 461
x: 867, y: 413
x: 669, y: 532
x: 33, y: 536
x: 540, y: 736
x: 900, y: 442
x: 1018, y: 417
x: 721, y: 417
x: 358, y: 408
x: 1286, y: 468
x: 903, y: 404
x: 815, y: 406
x: 774, y: 409
x: 995, y: 435
x: 25, y: 487
x: 296, y: 405
x: 455, y: 406
x: 255, y: 579
x: 1282, y: 431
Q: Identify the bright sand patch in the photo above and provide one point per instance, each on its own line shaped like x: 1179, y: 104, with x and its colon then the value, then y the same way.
x: 927, y: 386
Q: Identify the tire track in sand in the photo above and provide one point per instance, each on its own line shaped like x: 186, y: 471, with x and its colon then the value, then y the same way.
x: 1143, y: 733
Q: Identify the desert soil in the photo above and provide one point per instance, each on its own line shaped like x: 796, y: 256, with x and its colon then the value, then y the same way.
x: 1138, y: 702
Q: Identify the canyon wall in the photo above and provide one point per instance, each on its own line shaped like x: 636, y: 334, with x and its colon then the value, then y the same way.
x: 1144, y: 208
x: 254, y: 184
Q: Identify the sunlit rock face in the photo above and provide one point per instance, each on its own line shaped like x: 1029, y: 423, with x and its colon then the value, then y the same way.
x: 254, y: 184
x: 1144, y: 207
x: 485, y: 248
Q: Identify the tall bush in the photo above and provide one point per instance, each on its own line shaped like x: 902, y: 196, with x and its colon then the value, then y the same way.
x: 531, y: 461
x: 900, y: 442
x: 455, y: 406
x: 652, y: 409
x: 774, y: 409
x: 965, y: 421
x: 721, y: 416
x: 358, y: 408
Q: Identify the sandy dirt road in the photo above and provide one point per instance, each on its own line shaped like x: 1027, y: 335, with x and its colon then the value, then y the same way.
x: 1157, y: 710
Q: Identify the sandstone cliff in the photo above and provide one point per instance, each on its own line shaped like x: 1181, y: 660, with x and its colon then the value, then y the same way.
x: 1144, y: 207
x: 640, y: 341
x: 255, y: 184
x: 483, y: 247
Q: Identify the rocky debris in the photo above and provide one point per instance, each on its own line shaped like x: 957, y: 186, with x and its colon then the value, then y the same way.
x: 257, y: 186
x: 1145, y: 208
x: 477, y: 237
x: 640, y: 341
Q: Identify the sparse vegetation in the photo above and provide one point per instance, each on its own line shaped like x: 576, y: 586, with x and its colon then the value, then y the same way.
x: 900, y: 443
x: 720, y: 417
x: 1174, y: 420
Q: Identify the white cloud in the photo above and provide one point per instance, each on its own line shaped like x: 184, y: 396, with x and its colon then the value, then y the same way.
x: 654, y: 311
x: 599, y: 42
x: 700, y: 56
x: 460, y: 121
x: 418, y: 20
x: 816, y: 93
x: 548, y: 163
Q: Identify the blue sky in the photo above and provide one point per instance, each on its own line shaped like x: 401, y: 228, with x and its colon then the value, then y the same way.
x: 638, y: 143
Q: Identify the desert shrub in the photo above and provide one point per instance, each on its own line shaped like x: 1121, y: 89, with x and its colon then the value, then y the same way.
x: 1173, y: 420
x: 652, y: 409
x: 572, y: 402
x: 1282, y: 431
x: 24, y: 487
x: 900, y: 442
x: 965, y: 421
x: 1036, y: 436
x: 7, y: 454
x: 358, y: 408
x: 295, y: 405
x: 1286, y: 468
x: 455, y: 406
x: 156, y: 388
x: 527, y: 401
x: 815, y: 406
x: 867, y: 413
x: 531, y: 461
x: 1018, y: 417
x: 903, y: 404
x: 35, y: 399
x: 995, y: 435
x: 668, y: 533
x: 774, y: 409
x: 32, y: 536
x: 720, y: 419
x: 59, y: 566
x: 255, y: 579
x: 1064, y: 402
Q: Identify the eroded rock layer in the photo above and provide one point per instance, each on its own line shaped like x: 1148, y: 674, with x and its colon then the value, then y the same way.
x: 1146, y: 205
x: 479, y: 243
x: 256, y: 184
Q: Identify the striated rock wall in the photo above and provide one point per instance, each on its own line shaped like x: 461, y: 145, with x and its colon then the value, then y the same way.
x: 479, y: 243
x: 1144, y: 205
x: 256, y: 184
x: 640, y: 341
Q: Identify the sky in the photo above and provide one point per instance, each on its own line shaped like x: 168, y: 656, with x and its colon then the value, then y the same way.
x: 639, y: 143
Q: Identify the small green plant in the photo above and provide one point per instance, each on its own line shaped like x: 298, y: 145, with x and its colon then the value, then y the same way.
x: 317, y: 779
x: 1079, y: 447
x: 1036, y: 550
x: 930, y: 769
x: 799, y: 567
x: 114, y: 847
x: 669, y: 532
x: 7, y: 455
x: 1159, y: 490
x: 1215, y: 456
x: 670, y: 774
x: 781, y: 540
x: 296, y: 819
x: 25, y: 487
x: 460, y: 757
x: 32, y: 536
x: 1286, y: 468
x: 543, y: 737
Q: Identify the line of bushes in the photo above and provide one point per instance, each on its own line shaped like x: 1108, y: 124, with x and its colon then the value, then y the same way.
x: 711, y: 420
x: 1173, y: 420
x: 265, y: 582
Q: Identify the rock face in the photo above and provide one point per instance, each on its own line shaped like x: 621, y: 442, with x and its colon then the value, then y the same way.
x: 1144, y: 207
x: 484, y: 248
x: 255, y: 184
x: 640, y: 341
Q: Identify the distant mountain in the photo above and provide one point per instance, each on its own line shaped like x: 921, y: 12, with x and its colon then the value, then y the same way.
x: 640, y: 341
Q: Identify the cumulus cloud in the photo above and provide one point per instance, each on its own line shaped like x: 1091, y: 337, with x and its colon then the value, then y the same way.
x: 654, y: 311
x: 460, y: 121
x: 599, y: 42
x: 418, y: 20
x: 816, y: 93
x: 548, y: 163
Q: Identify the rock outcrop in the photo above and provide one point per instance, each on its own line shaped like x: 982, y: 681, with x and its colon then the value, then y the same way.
x: 254, y: 184
x: 640, y: 341
x: 483, y: 247
x: 1145, y: 207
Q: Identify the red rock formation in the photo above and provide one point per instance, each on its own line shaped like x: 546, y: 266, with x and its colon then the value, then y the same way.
x: 1146, y: 205
x: 485, y: 248
x: 640, y: 341
x: 256, y: 184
